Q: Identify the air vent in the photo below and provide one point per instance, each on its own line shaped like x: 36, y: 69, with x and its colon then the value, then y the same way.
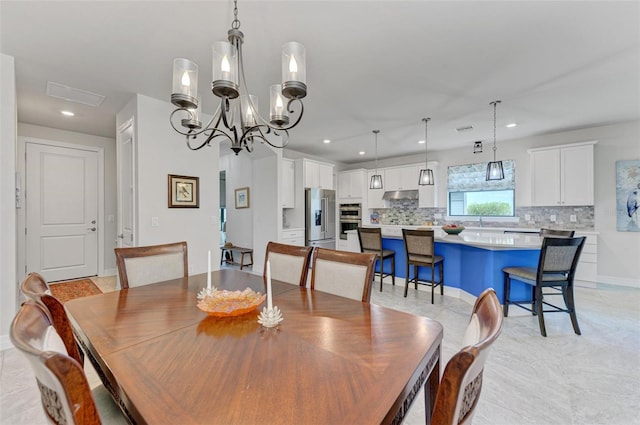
x: 464, y: 128
x: 74, y: 95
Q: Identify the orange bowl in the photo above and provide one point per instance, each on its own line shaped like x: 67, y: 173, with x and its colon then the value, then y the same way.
x: 225, y: 303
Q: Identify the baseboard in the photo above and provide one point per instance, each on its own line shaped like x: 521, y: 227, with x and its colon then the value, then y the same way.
x: 109, y: 272
x: 5, y: 342
x: 619, y: 281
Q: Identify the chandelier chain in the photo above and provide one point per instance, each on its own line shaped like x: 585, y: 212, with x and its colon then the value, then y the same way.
x: 426, y: 147
x: 236, y: 22
x: 495, y: 148
x: 376, y: 133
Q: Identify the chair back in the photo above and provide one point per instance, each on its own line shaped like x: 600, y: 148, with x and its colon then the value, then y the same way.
x: 143, y: 265
x: 559, y: 258
x: 289, y: 263
x: 557, y: 233
x: 33, y: 286
x: 347, y: 274
x: 35, y: 289
x: 461, y: 381
x: 370, y: 239
x: 419, y: 244
x: 64, y: 390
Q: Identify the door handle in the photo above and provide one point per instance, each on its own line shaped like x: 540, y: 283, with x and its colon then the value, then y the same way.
x: 121, y: 236
x: 93, y: 229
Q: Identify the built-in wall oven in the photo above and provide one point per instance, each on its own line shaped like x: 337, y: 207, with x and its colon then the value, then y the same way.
x: 350, y: 218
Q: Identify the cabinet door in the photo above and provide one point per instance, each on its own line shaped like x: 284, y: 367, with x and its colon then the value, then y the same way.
x: 545, y: 177
x: 325, y: 176
x: 428, y: 195
x: 392, y: 179
x: 311, y: 174
x: 409, y: 177
x: 576, y: 164
x: 287, y: 183
x: 344, y: 185
x: 374, y: 198
x: 357, y: 184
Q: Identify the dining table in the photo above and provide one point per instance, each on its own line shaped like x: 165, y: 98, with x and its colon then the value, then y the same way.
x: 332, y: 360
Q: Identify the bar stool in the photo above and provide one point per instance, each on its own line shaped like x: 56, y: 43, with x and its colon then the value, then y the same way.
x: 420, y: 248
x: 371, y: 241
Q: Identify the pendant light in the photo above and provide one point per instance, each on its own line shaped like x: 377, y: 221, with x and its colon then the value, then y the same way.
x: 376, y: 179
x: 426, y: 175
x: 495, y: 171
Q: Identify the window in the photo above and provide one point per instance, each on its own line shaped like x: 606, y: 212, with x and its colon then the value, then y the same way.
x: 471, y: 195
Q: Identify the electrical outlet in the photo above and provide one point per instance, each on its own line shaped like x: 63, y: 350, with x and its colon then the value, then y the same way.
x: 552, y: 217
x: 155, y: 221
x: 527, y: 217
x: 573, y: 218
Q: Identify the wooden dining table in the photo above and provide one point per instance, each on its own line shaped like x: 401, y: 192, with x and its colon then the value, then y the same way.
x: 332, y: 360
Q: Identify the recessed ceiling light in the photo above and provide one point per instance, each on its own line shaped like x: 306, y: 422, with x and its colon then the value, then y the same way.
x: 326, y: 141
x: 513, y: 124
x: 361, y: 153
x: 421, y: 142
x: 67, y: 113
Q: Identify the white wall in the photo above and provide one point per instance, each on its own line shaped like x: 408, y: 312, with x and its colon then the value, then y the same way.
x: 110, y: 203
x: 266, y: 208
x: 160, y: 152
x: 8, y: 136
x: 239, y: 173
x: 617, y: 251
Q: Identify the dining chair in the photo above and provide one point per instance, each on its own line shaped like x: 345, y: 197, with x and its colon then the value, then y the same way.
x: 64, y: 390
x: 557, y: 233
x: 459, y: 389
x: 420, y: 251
x: 142, y: 265
x: 348, y: 274
x: 371, y: 241
x: 289, y: 263
x: 35, y: 288
x: 556, y: 270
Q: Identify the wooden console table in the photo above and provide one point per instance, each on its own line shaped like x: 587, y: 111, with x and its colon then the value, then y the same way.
x: 242, y: 251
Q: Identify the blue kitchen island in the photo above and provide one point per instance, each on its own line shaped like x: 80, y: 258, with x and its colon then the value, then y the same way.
x: 473, y: 260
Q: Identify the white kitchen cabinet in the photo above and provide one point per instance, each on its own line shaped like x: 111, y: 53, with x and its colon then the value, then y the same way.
x: 374, y: 196
x: 428, y: 195
x: 587, y: 270
x: 293, y: 237
x: 317, y: 174
x: 401, y: 178
x: 287, y: 183
x: 351, y: 185
x: 562, y: 175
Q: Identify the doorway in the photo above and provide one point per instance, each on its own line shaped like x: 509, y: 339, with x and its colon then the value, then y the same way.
x: 63, y: 209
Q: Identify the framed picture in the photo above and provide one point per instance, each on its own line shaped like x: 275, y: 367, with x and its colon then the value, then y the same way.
x: 184, y: 192
x: 242, y: 197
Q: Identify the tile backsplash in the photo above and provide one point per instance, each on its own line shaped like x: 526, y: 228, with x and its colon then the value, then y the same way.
x: 406, y: 212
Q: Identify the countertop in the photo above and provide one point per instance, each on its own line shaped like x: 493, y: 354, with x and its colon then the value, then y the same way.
x: 488, y: 238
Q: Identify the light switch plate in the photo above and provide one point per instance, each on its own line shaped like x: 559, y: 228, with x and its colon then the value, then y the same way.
x: 573, y: 218
x: 527, y: 217
x: 155, y: 221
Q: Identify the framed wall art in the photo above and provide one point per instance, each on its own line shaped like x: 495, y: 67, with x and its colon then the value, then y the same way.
x: 627, y: 195
x: 184, y: 191
x: 242, y: 198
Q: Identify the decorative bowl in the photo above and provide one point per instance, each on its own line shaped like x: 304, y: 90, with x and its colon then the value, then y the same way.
x: 223, y: 303
x: 451, y: 230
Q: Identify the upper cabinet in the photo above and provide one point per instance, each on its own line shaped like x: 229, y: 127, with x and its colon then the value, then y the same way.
x: 562, y: 175
x: 374, y: 196
x: 317, y: 174
x: 401, y: 178
x: 287, y: 183
x: 428, y: 195
x: 351, y: 185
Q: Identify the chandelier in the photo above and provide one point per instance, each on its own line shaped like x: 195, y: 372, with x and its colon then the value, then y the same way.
x: 495, y: 171
x: 236, y: 118
x: 426, y: 175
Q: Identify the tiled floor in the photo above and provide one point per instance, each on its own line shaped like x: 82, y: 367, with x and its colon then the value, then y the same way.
x: 528, y: 380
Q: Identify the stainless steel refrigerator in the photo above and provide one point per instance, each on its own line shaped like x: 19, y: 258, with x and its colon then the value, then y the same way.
x: 320, y: 218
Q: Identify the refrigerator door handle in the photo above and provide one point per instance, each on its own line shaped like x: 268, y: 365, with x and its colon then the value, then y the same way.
x: 323, y: 208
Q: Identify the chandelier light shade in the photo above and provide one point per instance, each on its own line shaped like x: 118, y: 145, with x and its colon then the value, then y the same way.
x: 376, y: 179
x: 495, y: 170
x: 237, y: 119
x: 426, y: 175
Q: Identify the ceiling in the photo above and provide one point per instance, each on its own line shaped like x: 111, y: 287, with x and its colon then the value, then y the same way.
x: 370, y: 65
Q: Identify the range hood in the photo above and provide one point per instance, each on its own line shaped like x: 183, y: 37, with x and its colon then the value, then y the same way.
x: 400, y: 194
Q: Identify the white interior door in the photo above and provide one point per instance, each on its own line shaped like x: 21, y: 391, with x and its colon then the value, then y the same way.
x: 126, y: 186
x: 61, y: 211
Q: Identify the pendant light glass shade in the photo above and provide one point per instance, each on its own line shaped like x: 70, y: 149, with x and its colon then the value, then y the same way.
x: 426, y: 175
x: 495, y: 170
x: 376, y: 179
